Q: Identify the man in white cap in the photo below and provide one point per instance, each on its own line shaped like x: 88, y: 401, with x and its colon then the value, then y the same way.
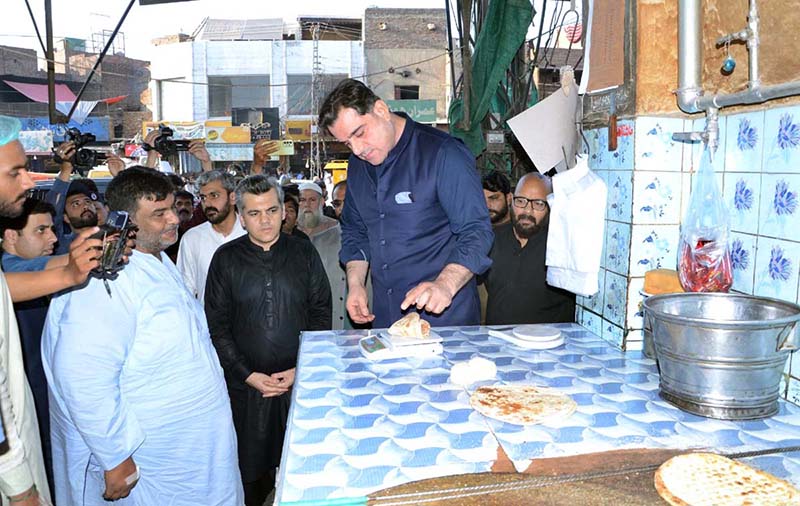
x: 326, y: 236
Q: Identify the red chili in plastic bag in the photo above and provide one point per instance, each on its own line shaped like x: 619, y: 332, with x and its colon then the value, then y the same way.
x: 705, y: 266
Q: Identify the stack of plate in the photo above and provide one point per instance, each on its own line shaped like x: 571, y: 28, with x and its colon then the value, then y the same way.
x: 534, y: 337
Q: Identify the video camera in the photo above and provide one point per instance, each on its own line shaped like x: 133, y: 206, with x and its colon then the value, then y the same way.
x: 84, y: 158
x: 114, y: 234
x: 166, y: 145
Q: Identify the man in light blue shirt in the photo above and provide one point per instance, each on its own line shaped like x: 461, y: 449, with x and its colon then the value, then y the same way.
x: 139, y: 408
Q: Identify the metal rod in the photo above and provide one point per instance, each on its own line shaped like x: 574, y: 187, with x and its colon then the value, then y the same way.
x: 450, y: 48
x: 51, y: 64
x: 539, y: 37
x: 36, y: 27
x: 466, y: 62
x: 99, y: 58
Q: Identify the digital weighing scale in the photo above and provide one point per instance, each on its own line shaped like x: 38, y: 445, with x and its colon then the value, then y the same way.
x: 385, y: 346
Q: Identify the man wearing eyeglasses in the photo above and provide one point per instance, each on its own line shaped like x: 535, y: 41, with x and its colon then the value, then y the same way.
x: 516, y: 282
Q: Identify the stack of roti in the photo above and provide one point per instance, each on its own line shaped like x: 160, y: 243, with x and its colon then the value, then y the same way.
x: 521, y: 404
x: 411, y: 325
x: 700, y: 479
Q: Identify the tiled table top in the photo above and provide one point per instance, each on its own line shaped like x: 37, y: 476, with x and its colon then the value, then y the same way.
x: 358, y: 426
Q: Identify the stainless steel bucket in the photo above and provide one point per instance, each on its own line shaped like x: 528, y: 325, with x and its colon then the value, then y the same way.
x: 722, y: 355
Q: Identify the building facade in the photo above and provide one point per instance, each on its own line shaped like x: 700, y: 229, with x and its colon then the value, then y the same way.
x: 407, y: 60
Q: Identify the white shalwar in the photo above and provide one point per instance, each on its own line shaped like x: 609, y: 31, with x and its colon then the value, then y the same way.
x: 135, y: 375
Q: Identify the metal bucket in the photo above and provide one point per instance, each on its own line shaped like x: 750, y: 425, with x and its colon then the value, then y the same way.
x: 722, y: 355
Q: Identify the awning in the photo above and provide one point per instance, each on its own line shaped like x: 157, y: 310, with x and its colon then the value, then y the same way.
x: 64, y: 98
x: 38, y: 92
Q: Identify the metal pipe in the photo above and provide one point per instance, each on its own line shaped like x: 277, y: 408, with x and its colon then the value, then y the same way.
x: 754, y: 96
x: 691, y: 98
x: 689, y: 55
x: 99, y: 59
x: 753, y: 42
x: 36, y: 27
x: 51, y: 64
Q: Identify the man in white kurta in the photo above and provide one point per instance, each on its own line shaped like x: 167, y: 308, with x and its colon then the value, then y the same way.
x: 134, y: 377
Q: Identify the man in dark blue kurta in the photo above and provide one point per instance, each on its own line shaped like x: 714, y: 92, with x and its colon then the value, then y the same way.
x: 414, y: 212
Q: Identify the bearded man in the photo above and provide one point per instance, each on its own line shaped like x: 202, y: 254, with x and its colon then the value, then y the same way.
x: 326, y: 236
x: 217, y: 198
x: 516, y: 283
x: 497, y: 191
x: 79, y: 212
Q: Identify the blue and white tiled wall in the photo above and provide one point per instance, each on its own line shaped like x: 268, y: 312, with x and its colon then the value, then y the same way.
x: 649, y: 181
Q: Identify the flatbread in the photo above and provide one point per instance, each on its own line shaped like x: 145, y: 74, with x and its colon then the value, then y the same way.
x: 700, y: 479
x: 521, y: 404
x: 411, y: 325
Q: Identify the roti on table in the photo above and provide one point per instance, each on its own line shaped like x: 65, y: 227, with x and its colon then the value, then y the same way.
x: 411, y: 325
x: 700, y: 479
x: 521, y: 404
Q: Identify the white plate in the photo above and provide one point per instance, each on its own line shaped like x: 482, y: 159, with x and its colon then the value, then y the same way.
x: 525, y: 343
x: 536, y: 333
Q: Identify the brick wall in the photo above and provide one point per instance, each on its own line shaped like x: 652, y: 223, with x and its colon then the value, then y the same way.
x: 405, y: 28
x: 18, y: 61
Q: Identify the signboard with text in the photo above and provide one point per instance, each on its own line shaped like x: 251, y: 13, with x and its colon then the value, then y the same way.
x: 422, y: 111
x: 99, y: 126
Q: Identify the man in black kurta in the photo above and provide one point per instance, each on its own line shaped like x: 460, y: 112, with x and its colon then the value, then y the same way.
x: 517, y: 281
x: 263, y: 289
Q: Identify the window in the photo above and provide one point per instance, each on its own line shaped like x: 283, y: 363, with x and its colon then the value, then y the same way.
x: 406, y: 92
x: 225, y: 93
x: 299, y: 91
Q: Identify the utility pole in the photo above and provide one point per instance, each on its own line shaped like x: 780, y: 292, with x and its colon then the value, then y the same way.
x: 316, y: 92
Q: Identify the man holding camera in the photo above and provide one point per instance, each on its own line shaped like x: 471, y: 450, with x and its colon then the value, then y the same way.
x: 22, y: 474
x: 76, y: 203
x: 153, y: 419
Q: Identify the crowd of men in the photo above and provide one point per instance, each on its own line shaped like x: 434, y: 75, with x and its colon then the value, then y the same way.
x: 171, y: 383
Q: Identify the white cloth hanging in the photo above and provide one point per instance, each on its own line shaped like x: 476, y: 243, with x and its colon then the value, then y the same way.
x: 577, y: 226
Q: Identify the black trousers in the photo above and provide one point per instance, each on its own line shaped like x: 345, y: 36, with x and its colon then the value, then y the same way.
x: 256, y: 492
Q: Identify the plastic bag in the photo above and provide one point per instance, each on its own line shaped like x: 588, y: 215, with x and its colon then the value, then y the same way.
x: 704, y: 262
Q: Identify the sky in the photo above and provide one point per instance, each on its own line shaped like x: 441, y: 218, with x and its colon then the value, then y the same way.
x: 81, y: 18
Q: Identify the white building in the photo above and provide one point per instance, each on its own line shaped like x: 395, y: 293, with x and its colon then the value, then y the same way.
x: 243, y: 64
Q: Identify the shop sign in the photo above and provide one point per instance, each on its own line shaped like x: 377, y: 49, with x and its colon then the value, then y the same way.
x: 422, y: 111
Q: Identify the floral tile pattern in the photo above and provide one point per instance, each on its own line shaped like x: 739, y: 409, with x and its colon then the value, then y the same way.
x: 612, y: 333
x: 782, y: 140
x: 744, y: 142
x: 743, y: 261
x: 620, y: 191
x: 780, y: 206
x: 592, y: 322
x: 622, y: 158
x: 595, y: 302
x: 655, y: 149
x: 618, y: 246
x: 598, y: 148
x: 653, y: 247
x: 793, y: 393
x: 742, y: 195
x: 776, y: 268
x: 656, y: 197
x: 633, y: 312
x: 615, y: 298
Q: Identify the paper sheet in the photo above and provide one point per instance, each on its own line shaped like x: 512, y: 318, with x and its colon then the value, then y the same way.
x: 547, y: 127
